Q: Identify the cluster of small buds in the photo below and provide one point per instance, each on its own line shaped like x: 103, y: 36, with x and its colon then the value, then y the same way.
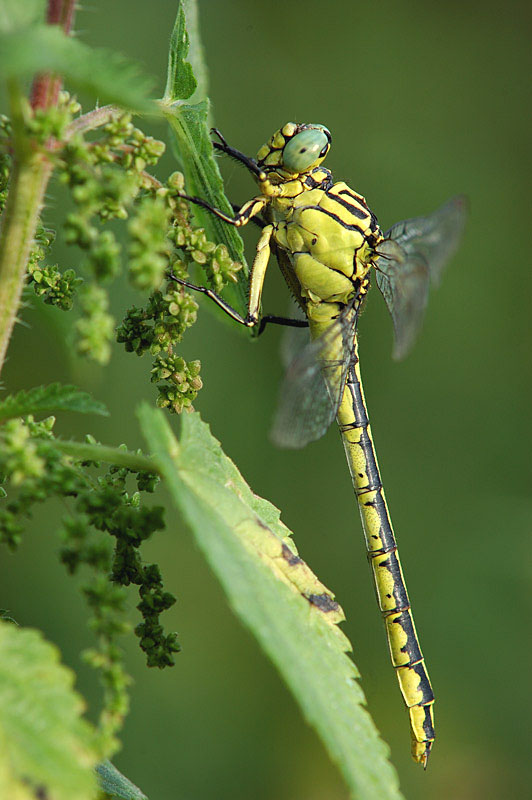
x: 105, y: 177
x: 42, y: 244
x: 22, y: 462
x: 95, y: 328
x: 105, y: 172
x: 49, y: 283
x: 158, y: 645
x: 32, y: 470
x: 45, y: 124
x: 161, y: 324
x: 56, y: 288
x: 148, y: 244
x: 214, y: 259
x: 180, y: 382
x: 104, y: 529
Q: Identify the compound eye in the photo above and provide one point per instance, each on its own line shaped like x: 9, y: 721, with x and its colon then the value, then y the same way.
x: 305, y: 148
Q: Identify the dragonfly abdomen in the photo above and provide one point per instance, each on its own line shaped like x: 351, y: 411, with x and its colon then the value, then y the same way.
x: 392, y: 596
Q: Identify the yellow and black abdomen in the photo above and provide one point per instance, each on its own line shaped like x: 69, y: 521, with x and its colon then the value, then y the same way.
x: 392, y: 595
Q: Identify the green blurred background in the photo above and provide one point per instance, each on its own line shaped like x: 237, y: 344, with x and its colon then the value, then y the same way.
x: 424, y: 100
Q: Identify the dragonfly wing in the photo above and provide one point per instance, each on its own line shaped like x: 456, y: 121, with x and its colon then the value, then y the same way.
x: 435, y: 237
x: 294, y: 340
x: 414, y: 252
x: 313, y: 385
x: 404, y: 282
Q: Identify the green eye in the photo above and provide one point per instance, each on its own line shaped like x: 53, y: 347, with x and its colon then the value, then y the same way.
x: 305, y: 148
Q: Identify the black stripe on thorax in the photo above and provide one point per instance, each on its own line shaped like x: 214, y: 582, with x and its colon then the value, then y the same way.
x: 356, y: 210
x: 338, y: 219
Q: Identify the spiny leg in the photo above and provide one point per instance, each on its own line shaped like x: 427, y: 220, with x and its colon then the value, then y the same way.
x: 255, y: 220
x: 242, y: 216
x: 229, y: 310
x: 249, y: 163
x: 272, y: 319
x: 258, y: 272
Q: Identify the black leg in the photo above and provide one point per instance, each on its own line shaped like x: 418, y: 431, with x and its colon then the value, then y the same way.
x: 248, y: 162
x: 259, y: 222
x: 217, y: 213
x: 287, y: 321
x: 249, y: 323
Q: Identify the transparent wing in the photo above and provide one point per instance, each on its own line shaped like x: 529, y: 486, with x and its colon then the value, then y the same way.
x: 293, y: 340
x: 404, y: 282
x: 313, y: 385
x: 413, y: 253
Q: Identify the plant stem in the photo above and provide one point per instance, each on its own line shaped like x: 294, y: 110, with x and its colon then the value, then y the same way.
x: 45, y: 88
x: 29, y: 179
x: 111, y: 455
x: 31, y: 172
x: 93, y: 119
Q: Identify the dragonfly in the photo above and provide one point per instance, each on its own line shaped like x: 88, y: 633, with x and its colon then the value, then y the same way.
x: 328, y: 245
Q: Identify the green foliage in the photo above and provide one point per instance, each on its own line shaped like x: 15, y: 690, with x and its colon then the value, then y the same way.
x: 193, y: 149
x: 114, y: 784
x: 105, y: 161
x: 270, y: 588
x: 15, y: 15
x: 54, y: 397
x: 160, y: 325
x: 95, y: 327
x: 105, y: 75
x: 180, y: 80
x: 104, y: 529
x: 47, y: 749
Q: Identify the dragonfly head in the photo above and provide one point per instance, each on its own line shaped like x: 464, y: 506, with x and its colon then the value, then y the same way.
x: 294, y: 150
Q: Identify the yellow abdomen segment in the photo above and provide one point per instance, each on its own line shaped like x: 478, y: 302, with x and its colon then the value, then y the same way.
x: 405, y: 651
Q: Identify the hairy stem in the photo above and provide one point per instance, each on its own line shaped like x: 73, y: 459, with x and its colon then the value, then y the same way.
x: 46, y: 87
x: 31, y: 172
x: 111, y: 455
x: 93, y: 119
x: 29, y: 179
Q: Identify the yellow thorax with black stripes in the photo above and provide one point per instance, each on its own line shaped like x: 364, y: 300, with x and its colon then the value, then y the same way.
x: 326, y: 229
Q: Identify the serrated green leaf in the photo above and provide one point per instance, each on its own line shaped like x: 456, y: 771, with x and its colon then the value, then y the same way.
x: 180, y: 80
x: 108, y: 76
x: 189, y: 124
x: 54, y: 397
x: 276, y: 595
x: 114, y: 784
x: 196, y: 55
x: 45, y: 744
x: 16, y: 14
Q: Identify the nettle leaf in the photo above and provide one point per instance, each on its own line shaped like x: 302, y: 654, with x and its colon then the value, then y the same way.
x: 106, y: 75
x: 16, y: 14
x: 189, y: 123
x: 275, y: 594
x: 46, y: 747
x: 180, y: 80
x: 54, y: 397
x: 114, y: 784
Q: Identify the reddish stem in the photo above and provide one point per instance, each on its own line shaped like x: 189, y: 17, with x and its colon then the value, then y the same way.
x: 46, y: 87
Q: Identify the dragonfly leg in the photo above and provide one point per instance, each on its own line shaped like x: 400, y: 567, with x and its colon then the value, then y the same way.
x: 247, y: 321
x: 267, y: 318
x: 249, y: 163
x: 256, y: 221
x: 275, y: 320
x: 242, y: 216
